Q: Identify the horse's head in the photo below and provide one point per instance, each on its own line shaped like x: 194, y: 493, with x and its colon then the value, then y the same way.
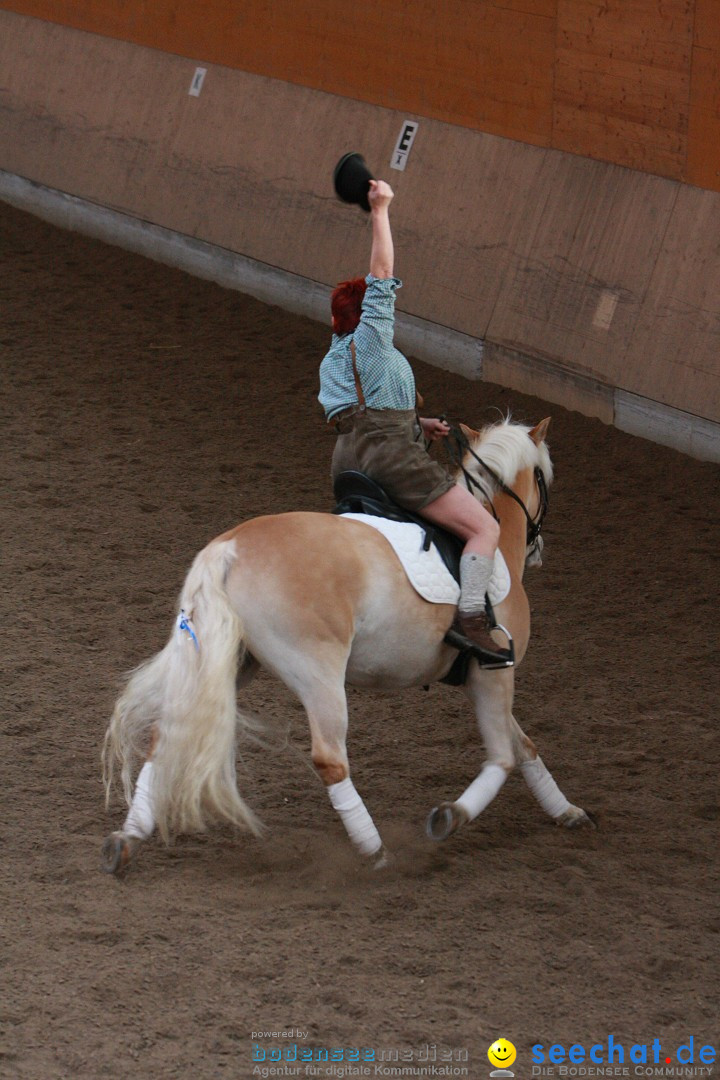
x: 512, y: 459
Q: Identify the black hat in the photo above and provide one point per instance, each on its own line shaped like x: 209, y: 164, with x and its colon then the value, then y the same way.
x: 352, y: 180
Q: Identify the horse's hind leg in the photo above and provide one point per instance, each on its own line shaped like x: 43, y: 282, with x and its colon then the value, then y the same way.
x: 326, y: 707
x: 139, y: 825
x: 120, y: 846
x: 541, y: 783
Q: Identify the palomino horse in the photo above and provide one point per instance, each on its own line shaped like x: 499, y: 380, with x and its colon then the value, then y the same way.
x: 321, y: 601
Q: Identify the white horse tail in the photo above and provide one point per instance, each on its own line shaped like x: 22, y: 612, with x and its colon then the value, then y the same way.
x: 180, y: 709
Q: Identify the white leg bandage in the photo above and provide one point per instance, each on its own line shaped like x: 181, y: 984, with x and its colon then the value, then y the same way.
x: 140, y: 821
x: 360, y: 826
x: 482, y: 791
x: 544, y: 788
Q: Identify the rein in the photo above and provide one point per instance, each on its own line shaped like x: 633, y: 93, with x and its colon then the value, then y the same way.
x: 462, y: 445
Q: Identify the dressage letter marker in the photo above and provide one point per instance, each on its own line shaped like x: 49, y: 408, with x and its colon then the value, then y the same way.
x: 402, y: 147
x: 197, y: 82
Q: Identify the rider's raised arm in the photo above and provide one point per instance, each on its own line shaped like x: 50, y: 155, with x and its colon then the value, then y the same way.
x: 382, y: 254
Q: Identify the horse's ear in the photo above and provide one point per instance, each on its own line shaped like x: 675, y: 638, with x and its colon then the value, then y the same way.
x: 470, y: 434
x: 539, y: 432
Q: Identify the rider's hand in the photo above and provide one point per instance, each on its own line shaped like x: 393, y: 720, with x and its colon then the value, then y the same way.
x: 380, y: 194
x: 434, y: 429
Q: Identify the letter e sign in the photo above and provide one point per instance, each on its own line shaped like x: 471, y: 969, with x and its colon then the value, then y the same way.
x: 402, y: 146
x: 197, y: 82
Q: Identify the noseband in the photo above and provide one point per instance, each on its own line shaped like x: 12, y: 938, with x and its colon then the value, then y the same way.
x: 534, y: 524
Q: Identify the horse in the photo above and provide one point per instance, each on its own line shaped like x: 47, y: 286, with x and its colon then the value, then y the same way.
x: 321, y: 601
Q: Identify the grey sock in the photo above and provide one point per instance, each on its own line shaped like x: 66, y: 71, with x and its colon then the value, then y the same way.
x: 475, y: 574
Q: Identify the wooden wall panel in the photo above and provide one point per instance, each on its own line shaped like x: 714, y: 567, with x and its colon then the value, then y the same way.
x: 475, y: 63
x: 703, y: 159
x: 676, y: 343
x: 633, y: 82
x: 583, y: 268
x: 622, y: 83
x: 209, y: 168
x: 464, y: 198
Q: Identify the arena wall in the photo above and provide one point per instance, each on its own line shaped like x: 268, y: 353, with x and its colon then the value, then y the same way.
x: 633, y: 82
x: 590, y: 283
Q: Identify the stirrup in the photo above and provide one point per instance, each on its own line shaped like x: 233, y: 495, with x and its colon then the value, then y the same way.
x: 490, y: 661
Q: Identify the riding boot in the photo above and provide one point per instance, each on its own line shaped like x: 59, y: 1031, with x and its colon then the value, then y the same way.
x: 475, y: 625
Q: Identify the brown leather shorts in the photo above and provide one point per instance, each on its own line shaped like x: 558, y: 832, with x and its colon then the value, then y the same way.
x: 387, y: 444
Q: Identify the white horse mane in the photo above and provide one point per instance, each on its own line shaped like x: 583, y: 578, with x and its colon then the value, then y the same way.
x: 507, y: 448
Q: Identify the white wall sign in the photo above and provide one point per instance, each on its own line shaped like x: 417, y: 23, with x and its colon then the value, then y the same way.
x: 605, y: 309
x: 197, y: 81
x: 402, y: 147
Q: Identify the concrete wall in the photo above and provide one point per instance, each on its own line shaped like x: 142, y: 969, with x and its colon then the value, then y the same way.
x: 594, y: 285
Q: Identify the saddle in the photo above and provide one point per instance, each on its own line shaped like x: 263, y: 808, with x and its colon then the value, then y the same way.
x: 356, y: 493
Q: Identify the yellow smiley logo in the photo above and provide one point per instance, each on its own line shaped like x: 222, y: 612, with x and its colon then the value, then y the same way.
x: 502, y: 1053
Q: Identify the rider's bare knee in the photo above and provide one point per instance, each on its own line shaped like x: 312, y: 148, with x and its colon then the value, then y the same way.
x: 495, y: 530
x: 490, y: 531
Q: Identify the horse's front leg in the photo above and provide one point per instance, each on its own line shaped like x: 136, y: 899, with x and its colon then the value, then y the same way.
x: 507, y: 745
x: 540, y: 781
x: 491, y: 693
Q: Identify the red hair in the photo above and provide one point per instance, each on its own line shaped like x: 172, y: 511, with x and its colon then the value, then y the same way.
x: 346, y: 304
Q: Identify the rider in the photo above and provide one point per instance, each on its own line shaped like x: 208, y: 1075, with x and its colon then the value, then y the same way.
x: 367, y: 390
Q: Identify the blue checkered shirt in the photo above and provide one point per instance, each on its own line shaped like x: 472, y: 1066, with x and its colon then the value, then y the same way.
x: 386, y: 377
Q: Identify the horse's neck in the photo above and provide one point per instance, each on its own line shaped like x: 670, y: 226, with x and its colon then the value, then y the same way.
x: 513, y: 530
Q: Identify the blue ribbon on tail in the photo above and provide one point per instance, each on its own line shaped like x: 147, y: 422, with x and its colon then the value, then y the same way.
x: 183, y: 624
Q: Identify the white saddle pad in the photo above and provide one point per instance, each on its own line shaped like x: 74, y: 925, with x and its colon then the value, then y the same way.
x: 426, y: 571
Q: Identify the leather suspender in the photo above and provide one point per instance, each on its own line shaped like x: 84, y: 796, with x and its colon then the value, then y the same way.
x: 359, y: 389
x: 358, y: 386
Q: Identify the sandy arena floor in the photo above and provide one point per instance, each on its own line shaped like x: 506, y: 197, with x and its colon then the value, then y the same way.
x: 145, y: 412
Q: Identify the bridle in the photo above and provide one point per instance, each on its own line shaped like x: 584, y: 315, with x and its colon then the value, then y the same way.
x: 534, y: 524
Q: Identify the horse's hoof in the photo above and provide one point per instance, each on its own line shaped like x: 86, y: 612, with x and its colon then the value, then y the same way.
x: 444, y: 820
x: 117, y: 852
x: 382, y: 859
x: 577, y: 818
